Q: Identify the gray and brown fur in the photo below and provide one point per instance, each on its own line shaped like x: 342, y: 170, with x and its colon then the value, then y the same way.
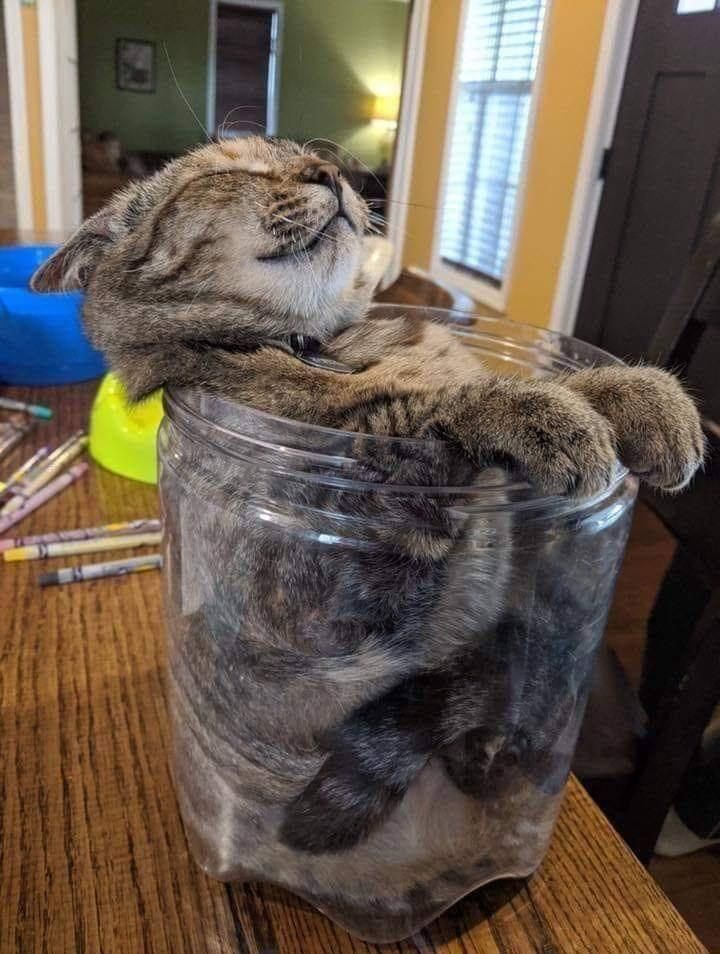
x: 348, y: 719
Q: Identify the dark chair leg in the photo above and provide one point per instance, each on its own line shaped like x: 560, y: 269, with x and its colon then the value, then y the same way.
x: 680, y: 603
x: 675, y: 734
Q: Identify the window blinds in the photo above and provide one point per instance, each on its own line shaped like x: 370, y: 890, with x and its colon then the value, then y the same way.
x: 498, y: 62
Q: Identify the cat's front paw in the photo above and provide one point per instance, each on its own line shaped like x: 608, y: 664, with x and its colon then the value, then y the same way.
x: 551, y: 435
x: 656, y: 423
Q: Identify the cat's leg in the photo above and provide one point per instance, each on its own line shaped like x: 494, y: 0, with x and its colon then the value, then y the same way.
x: 373, y: 757
x: 490, y: 722
x: 379, y: 750
x: 501, y: 710
x: 550, y: 434
x: 656, y: 424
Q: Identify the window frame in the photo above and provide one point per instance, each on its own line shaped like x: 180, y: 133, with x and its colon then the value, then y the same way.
x: 483, y: 290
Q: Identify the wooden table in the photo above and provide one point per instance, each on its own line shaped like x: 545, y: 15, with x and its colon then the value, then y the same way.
x: 93, y: 855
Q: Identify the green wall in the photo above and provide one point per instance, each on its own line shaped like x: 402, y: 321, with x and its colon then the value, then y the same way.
x: 158, y: 121
x: 336, y: 55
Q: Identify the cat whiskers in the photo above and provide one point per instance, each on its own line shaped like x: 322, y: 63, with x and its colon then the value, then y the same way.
x: 352, y: 155
x: 299, y: 225
x: 225, y: 125
x: 182, y: 94
x: 386, y: 200
x: 310, y: 269
x: 376, y: 224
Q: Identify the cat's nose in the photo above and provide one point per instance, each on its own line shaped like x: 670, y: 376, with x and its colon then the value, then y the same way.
x: 327, y: 174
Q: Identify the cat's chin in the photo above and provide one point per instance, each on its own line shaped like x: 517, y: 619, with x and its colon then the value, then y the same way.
x: 332, y: 235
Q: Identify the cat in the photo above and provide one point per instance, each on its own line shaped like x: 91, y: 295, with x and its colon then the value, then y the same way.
x: 237, y: 271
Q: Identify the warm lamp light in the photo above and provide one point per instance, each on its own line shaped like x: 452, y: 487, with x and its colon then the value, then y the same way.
x: 385, y: 110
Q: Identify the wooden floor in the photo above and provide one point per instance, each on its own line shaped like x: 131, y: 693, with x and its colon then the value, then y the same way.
x: 692, y: 883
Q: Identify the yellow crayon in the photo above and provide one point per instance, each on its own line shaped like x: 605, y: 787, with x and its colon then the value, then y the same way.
x: 41, y: 551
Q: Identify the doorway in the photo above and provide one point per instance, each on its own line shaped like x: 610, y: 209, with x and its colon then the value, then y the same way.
x: 334, y: 66
x: 244, y: 67
x: 662, y: 183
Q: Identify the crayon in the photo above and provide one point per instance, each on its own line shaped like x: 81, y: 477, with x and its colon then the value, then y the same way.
x: 65, y: 444
x: 50, y: 468
x: 83, y: 533
x: 42, y: 496
x: 96, y: 571
x: 41, y: 551
x: 22, y: 470
x: 36, y: 410
x: 58, y: 452
x: 11, y: 434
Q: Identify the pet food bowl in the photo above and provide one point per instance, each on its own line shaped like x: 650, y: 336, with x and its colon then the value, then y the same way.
x: 41, y: 335
x: 123, y: 436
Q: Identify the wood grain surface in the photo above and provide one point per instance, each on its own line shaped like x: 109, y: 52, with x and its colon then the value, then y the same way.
x: 92, y: 852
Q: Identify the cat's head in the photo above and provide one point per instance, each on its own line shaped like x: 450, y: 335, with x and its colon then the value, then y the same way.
x: 237, y: 242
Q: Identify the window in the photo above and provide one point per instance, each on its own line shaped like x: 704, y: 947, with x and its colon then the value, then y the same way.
x: 497, y: 67
x: 696, y: 6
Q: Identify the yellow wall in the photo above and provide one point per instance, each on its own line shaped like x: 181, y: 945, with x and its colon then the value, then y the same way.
x: 442, y: 35
x: 572, y: 43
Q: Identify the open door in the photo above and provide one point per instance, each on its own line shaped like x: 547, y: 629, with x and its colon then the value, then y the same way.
x: 244, y: 69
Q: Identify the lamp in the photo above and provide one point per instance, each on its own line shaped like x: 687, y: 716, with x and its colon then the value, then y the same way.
x: 385, y: 110
x: 385, y: 116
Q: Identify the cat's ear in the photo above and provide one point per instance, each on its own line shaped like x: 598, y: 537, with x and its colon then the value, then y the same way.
x: 71, y: 266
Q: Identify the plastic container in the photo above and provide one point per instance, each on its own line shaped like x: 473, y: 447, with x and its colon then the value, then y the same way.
x: 376, y: 731
x: 41, y: 336
x: 123, y: 436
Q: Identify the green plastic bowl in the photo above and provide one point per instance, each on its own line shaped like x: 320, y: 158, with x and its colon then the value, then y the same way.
x: 123, y: 437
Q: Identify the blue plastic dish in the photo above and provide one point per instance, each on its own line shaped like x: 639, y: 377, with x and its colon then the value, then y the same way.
x: 41, y: 335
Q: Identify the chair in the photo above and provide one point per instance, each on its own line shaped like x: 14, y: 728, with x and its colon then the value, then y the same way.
x: 680, y: 684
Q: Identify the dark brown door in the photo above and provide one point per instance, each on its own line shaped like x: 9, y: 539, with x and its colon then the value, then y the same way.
x: 662, y: 180
x: 244, y: 46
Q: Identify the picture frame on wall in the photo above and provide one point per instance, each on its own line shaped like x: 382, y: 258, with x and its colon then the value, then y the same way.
x: 135, y: 65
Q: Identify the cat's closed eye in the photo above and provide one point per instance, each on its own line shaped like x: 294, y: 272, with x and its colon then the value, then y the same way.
x: 237, y: 241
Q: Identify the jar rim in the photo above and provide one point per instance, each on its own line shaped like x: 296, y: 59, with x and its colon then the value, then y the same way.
x: 190, y: 405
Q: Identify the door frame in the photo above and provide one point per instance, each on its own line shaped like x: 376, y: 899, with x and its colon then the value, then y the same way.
x: 15, y: 55
x: 62, y: 160
x: 59, y: 139
x: 618, y: 30
x: 396, y: 214
x: 273, y: 91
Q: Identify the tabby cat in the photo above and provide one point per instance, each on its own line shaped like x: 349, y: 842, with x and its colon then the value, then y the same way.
x: 237, y: 270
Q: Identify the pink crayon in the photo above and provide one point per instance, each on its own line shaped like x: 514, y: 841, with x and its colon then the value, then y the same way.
x: 42, y: 496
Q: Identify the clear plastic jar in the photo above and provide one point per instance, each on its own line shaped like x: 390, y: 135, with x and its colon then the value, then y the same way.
x: 378, y: 727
